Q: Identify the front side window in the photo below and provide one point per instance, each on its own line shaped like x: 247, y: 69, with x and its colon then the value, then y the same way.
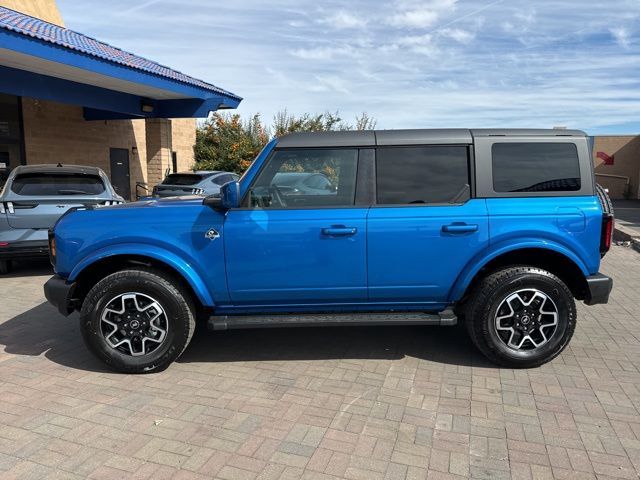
x: 306, y: 178
x: 535, y: 167
x: 422, y: 175
x: 55, y: 184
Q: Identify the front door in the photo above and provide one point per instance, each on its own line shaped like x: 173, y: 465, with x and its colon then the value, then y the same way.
x: 294, y: 243
x: 120, y: 176
x: 425, y: 226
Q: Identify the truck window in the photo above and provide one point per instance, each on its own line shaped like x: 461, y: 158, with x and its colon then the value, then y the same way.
x: 535, y: 167
x: 284, y: 180
x: 422, y: 175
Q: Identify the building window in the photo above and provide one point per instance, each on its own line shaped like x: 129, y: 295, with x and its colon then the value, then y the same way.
x: 11, y: 146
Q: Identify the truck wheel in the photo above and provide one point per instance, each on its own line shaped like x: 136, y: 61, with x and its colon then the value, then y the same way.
x: 137, y: 321
x: 521, y: 317
x: 5, y: 267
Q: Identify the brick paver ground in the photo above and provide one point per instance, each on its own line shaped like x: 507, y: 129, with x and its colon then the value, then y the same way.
x: 357, y: 403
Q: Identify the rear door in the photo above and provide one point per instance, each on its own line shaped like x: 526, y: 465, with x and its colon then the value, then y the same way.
x: 425, y: 225
x: 37, y: 199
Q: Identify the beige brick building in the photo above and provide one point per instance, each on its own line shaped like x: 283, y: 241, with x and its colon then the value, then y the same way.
x: 36, y: 129
x: 617, y: 164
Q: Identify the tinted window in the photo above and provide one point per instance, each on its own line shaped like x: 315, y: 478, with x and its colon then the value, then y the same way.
x: 182, y: 179
x: 281, y: 183
x: 57, y: 184
x: 535, y: 167
x: 414, y: 175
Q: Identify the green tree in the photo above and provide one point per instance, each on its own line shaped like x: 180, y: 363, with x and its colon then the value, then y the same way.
x: 226, y: 142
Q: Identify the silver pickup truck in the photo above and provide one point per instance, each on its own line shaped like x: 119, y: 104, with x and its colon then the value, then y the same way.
x: 35, y: 196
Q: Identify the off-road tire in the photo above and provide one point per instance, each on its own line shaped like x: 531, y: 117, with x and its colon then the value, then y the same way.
x: 176, y: 302
x: 605, y: 201
x: 5, y: 266
x: 481, y: 310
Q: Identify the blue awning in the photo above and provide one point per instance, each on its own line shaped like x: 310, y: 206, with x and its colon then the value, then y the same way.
x: 42, y: 60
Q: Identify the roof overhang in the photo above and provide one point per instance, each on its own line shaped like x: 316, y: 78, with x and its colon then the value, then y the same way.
x: 38, y: 68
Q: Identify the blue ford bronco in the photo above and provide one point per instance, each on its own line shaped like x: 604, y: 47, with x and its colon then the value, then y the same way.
x: 497, y: 229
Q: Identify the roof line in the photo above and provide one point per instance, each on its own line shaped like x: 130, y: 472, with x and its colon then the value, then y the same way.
x: 33, y: 27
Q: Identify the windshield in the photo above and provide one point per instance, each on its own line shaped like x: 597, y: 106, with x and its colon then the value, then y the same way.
x: 182, y: 179
x: 49, y: 184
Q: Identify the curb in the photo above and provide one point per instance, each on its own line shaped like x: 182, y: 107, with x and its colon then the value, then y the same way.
x: 622, y: 233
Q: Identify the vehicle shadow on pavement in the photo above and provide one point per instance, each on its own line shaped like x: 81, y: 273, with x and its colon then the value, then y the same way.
x: 42, y: 330
x: 446, y: 345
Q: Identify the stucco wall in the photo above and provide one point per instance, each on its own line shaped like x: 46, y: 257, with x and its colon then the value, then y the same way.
x: 43, y: 9
x: 625, y: 151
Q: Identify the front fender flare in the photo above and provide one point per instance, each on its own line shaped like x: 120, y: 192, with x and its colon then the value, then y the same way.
x: 479, y: 261
x: 180, y: 265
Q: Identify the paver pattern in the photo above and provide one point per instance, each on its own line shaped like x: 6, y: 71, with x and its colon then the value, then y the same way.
x: 356, y: 403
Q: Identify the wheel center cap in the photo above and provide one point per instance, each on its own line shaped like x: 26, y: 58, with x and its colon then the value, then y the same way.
x: 135, y: 324
x: 525, y: 319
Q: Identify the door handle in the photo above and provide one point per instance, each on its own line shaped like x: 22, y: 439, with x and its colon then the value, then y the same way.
x: 339, y: 231
x: 460, y: 227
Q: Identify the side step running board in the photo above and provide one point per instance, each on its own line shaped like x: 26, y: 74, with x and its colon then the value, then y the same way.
x: 225, y: 322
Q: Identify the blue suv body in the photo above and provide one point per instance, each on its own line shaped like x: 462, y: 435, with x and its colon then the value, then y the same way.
x: 501, y: 229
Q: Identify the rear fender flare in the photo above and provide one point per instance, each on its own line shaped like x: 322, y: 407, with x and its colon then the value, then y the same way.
x: 477, y: 263
x: 180, y: 265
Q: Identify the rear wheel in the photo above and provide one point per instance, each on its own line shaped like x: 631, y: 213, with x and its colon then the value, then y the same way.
x: 521, y: 316
x: 5, y: 266
x: 137, y: 321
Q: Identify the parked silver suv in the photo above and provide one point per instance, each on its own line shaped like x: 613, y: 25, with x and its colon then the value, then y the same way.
x: 35, y: 196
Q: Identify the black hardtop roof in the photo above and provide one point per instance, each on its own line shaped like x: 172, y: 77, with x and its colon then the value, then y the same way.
x: 423, y: 136
x: 57, y: 168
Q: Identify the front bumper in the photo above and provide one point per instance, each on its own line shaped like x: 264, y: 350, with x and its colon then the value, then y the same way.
x: 598, y: 289
x: 60, y: 294
x: 27, y: 248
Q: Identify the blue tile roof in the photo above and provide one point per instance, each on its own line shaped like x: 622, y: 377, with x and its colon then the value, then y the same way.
x: 48, y: 32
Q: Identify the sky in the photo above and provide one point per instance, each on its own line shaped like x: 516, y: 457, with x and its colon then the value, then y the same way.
x: 408, y: 63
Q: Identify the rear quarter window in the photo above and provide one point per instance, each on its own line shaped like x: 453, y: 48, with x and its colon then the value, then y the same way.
x: 57, y: 184
x: 535, y: 167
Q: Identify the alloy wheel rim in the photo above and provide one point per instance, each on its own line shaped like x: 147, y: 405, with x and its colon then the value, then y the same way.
x: 526, y: 320
x: 134, y: 324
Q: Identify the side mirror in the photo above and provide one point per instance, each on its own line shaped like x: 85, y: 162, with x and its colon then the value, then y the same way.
x: 229, y: 197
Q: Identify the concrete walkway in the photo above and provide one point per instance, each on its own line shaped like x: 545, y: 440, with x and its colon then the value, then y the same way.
x: 627, y: 213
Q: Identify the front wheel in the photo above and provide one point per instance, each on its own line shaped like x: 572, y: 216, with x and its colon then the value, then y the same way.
x: 521, y: 316
x: 137, y: 321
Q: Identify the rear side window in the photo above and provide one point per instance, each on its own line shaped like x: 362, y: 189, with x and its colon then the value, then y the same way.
x: 55, y: 184
x: 182, y: 179
x: 419, y: 175
x: 535, y: 167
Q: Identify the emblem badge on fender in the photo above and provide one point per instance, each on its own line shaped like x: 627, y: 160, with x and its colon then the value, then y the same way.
x: 212, y: 234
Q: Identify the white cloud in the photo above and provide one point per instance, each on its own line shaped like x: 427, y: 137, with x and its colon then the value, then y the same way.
x: 621, y: 36
x: 342, y: 19
x: 322, y: 53
x: 421, y: 14
x: 457, y: 34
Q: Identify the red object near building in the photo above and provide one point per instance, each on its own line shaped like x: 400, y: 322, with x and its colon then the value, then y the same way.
x: 608, y: 159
